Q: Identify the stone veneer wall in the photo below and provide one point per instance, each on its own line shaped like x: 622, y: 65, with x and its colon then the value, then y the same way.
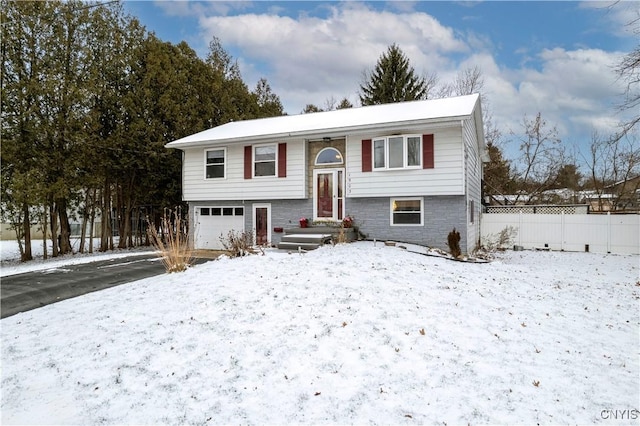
x: 372, y: 216
x: 441, y: 215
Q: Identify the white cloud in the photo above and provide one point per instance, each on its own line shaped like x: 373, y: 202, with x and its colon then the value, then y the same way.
x: 314, y: 58
x: 618, y: 15
x: 572, y: 85
x: 309, y: 59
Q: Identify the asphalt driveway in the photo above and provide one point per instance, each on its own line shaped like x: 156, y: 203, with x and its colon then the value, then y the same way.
x: 31, y: 290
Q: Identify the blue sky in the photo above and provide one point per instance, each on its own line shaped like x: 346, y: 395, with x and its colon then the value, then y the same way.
x: 550, y: 57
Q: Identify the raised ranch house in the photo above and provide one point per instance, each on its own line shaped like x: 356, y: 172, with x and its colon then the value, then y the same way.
x: 408, y: 171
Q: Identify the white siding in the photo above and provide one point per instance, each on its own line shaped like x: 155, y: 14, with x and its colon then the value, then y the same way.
x: 445, y: 178
x: 234, y: 186
x: 473, y: 178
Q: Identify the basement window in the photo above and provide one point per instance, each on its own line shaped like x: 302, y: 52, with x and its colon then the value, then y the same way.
x: 407, y: 211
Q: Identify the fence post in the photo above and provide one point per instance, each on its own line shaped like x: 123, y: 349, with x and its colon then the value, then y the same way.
x: 608, y: 232
x: 520, y: 228
x: 562, y: 230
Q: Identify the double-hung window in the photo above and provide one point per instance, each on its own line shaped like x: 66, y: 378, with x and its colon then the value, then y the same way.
x: 397, y: 152
x: 407, y: 211
x: 264, y: 160
x: 215, y: 163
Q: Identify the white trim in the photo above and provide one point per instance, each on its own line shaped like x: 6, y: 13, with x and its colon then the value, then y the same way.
x: 335, y: 174
x: 405, y: 151
x: 253, y: 160
x: 391, y: 200
x: 224, y: 150
x: 253, y: 218
x: 329, y: 164
x: 386, y: 117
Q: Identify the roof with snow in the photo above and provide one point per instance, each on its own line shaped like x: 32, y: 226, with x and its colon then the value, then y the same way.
x: 333, y: 123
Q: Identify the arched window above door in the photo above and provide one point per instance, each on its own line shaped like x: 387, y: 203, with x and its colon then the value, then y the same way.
x: 329, y: 156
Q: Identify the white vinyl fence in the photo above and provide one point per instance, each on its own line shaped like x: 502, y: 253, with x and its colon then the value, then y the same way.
x: 570, y: 232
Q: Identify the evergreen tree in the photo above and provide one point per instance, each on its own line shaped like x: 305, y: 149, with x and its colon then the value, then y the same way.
x: 268, y: 103
x: 569, y: 177
x: 89, y: 100
x: 232, y: 98
x: 25, y: 26
x: 311, y: 108
x: 497, y: 180
x: 344, y: 104
x: 392, y: 80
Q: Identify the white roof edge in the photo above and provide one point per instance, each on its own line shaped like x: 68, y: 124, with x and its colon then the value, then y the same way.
x: 385, y: 116
x: 482, y: 144
x: 330, y: 132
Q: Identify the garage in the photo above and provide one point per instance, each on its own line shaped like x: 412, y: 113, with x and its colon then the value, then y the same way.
x: 214, y: 222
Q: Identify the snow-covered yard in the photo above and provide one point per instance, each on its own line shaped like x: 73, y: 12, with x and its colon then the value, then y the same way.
x: 10, y: 257
x: 346, y: 334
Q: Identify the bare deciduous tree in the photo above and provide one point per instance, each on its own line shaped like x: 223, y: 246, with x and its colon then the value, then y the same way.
x: 628, y: 70
x: 467, y: 81
x: 613, y: 165
x: 541, y: 157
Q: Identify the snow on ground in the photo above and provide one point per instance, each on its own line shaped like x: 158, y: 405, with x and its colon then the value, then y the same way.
x: 10, y: 257
x: 346, y: 334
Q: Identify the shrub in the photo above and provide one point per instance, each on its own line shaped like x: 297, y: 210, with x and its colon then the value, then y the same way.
x: 499, y: 241
x: 342, y: 236
x: 171, y: 240
x: 237, y: 243
x: 453, y: 240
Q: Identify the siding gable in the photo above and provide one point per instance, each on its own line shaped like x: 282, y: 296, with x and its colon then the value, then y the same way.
x: 441, y: 172
x: 239, y: 182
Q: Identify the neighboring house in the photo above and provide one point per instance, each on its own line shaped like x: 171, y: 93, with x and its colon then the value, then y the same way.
x: 548, y: 197
x: 407, y: 172
x: 597, y: 201
x: 626, y: 194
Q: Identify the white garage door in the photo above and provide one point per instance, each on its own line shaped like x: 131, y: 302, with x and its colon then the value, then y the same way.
x: 213, y: 222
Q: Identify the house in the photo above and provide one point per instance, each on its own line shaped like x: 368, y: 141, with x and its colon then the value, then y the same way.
x: 408, y: 171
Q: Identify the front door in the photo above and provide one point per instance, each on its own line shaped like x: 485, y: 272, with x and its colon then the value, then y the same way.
x: 261, y: 218
x: 328, y: 194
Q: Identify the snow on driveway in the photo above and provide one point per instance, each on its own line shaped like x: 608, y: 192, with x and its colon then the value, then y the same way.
x: 346, y: 334
x: 10, y: 257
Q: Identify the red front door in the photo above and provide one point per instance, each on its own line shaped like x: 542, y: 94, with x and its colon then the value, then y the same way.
x: 325, y: 195
x: 262, y: 226
x: 329, y: 194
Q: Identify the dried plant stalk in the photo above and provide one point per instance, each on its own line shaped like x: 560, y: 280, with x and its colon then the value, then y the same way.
x: 172, y: 241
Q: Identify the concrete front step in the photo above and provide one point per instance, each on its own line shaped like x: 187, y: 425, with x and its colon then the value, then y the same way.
x: 283, y: 245
x: 303, y: 241
x: 350, y: 233
x: 307, y: 238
